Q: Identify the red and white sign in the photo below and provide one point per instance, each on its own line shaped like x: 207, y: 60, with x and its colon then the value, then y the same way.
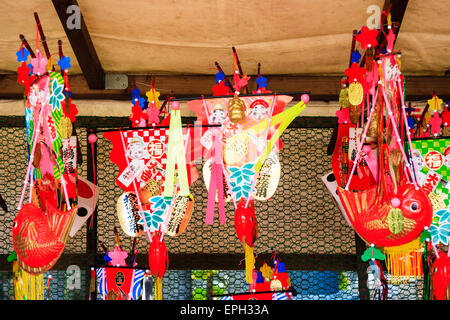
x: 434, y: 160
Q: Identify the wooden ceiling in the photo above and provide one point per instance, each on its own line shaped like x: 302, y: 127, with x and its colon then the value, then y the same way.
x: 300, y: 45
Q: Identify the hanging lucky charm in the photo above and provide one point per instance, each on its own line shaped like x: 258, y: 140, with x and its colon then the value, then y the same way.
x: 158, y: 261
x: 378, y: 185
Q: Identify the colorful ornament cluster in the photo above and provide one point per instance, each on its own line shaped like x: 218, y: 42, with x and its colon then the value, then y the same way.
x: 391, y: 187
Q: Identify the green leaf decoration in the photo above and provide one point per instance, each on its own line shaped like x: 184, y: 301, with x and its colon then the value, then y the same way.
x: 158, y: 213
x: 157, y: 219
x: 12, y: 256
x: 248, y: 172
x: 235, y: 175
x: 372, y: 252
x: 233, y: 169
x: 426, y: 235
x: 248, y: 166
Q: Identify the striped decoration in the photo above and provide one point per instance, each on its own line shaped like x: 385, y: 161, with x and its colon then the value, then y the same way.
x: 226, y: 298
x: 101, y: 276
x: 136, y: 285
x: 279, y: 296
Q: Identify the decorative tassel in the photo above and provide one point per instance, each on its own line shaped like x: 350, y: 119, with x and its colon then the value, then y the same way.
x: 404, y: 262
x: 27, y: 286
x: 158, y: 288
x: 249, y: 263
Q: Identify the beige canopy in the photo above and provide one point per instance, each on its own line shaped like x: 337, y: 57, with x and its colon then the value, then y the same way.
x: 293, y: 37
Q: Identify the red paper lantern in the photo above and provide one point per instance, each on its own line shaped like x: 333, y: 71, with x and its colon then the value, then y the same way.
x: 440, y: 277
x: 158, y: 256
x: 245, y: 222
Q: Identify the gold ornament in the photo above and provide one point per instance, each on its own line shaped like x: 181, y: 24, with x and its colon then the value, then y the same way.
x: 235, y: 149
x: 343, y: 98
x: 355, y: 93
x: 236, y: 110
x: 151, y: 189
x: 65, y: 127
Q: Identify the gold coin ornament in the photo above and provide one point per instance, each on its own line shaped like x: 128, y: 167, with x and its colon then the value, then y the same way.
x: 355, y: 93
x: 65, y: 127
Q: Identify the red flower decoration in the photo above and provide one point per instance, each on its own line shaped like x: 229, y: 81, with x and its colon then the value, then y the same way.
x: 435, y: 123
x: 73, y: 111
x: 446, y: 117
x: 220, y: 89
x: 367, y: 38
x: 23, y: 71
x: 355, y: 73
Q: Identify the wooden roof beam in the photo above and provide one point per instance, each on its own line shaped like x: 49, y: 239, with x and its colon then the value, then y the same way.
x: 81, y: 43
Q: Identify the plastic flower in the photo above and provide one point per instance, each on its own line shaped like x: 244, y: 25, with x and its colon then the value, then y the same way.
x: 22, y: 54
x: 220, y: 76
x: 39, y: 64
x: 64, y: 63
x: 356, y: 56
x: 367, y: 38
x: 261, y: 81
x: 355, y: 73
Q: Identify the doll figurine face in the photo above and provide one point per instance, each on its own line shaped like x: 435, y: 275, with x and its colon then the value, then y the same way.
x: 259, y: 112
x: 418, y: 159
x: 218, y: 115
x: 136, y: 149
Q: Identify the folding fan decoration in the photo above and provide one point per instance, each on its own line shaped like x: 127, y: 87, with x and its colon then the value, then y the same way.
x: 270, y: 282
x: 242, y: 152
x: 377, y: 181
x: 42, y: 225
